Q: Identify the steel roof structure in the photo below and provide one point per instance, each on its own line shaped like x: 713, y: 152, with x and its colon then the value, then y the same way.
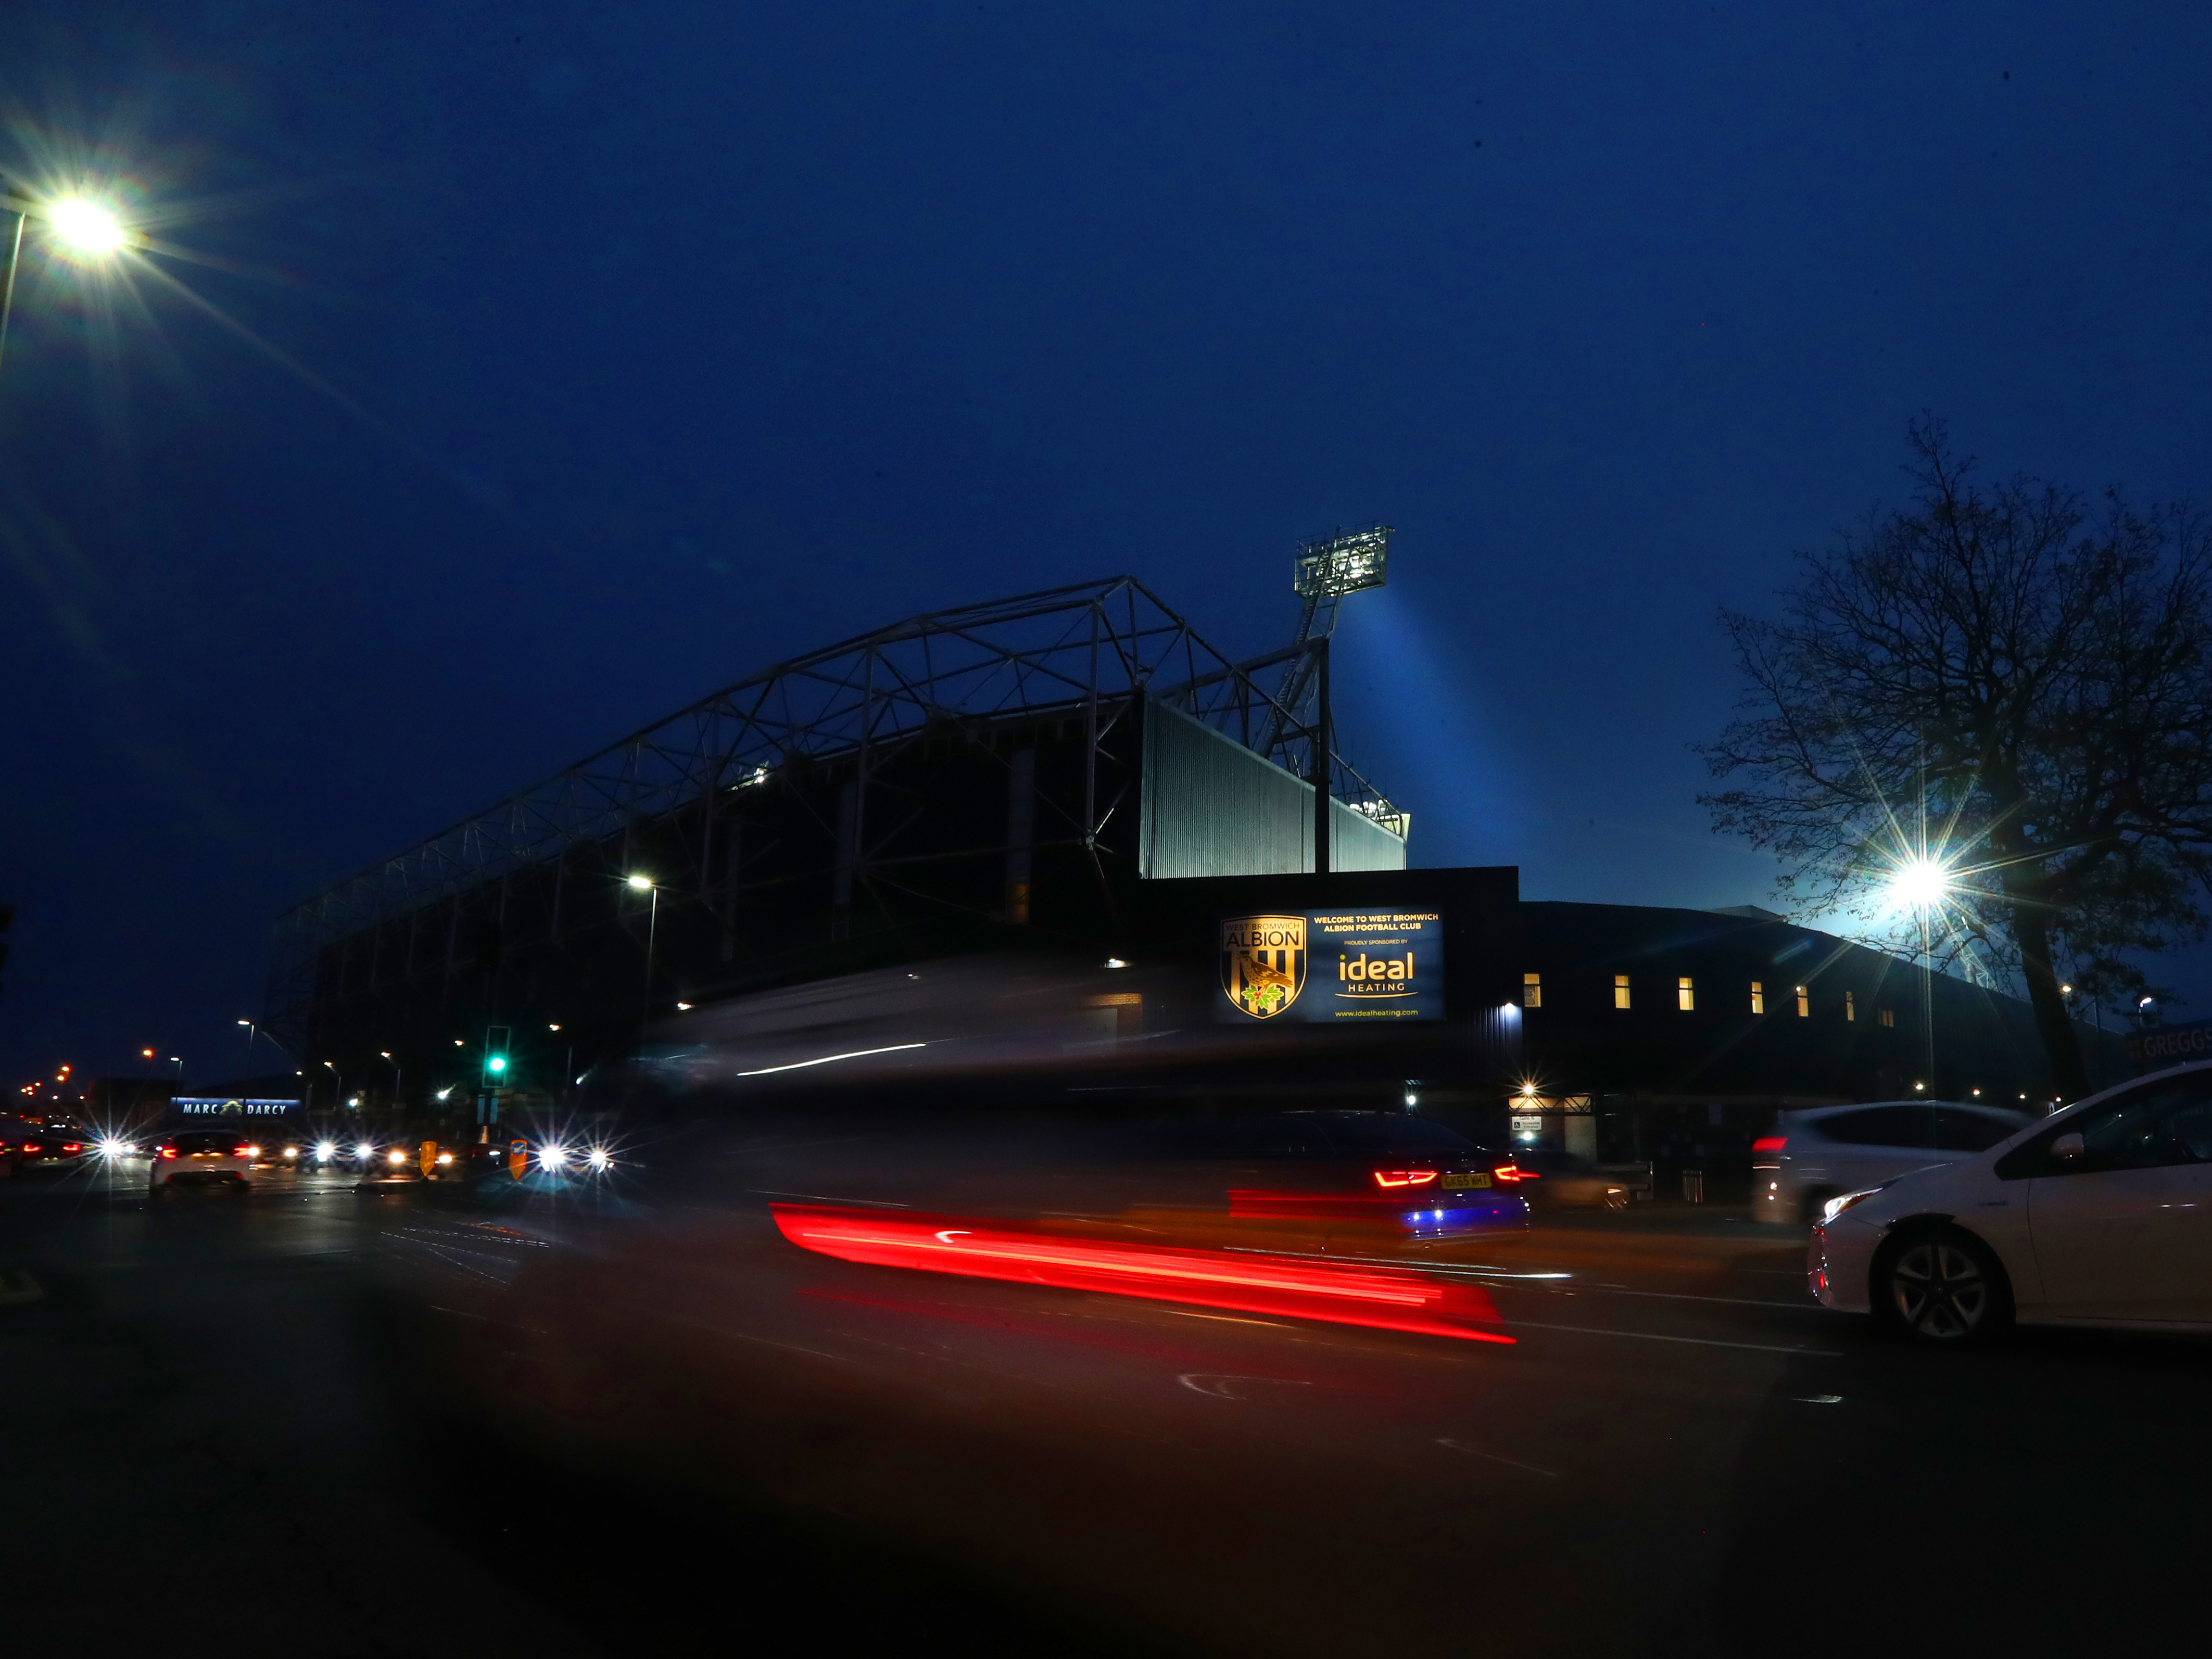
x: 1086, y: 650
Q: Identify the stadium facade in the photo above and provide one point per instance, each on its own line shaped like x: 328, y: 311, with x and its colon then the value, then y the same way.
x: 1076, y: 777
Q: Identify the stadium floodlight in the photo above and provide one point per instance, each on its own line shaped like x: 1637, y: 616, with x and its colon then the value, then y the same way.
x: 1344, y: 563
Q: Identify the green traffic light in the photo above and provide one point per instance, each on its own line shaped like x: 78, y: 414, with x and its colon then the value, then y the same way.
x: 496, y: 1063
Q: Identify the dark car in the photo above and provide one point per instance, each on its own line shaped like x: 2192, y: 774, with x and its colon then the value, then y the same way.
x: 1386, y: 1172
x: 31, y: 1146
x: 1554, y: 1179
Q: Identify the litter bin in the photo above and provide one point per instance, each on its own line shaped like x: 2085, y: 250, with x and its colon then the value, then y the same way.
x: 1693, y: 1186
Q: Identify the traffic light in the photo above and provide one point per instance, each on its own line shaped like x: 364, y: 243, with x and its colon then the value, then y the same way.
x: 498, y: 1040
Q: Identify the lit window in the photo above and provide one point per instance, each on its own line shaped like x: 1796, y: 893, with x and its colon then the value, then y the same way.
x: 1758, y: 998
x: 1850, y: 1008
x: 1804, y: 1002
x: 1532, y: 990
x: 1620, y: 990
x: 1685, y: 994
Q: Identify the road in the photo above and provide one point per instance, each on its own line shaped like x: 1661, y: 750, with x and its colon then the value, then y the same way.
x: 422, y: 1420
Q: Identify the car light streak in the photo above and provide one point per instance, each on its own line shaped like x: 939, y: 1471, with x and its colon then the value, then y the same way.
x: 1382, y: 1301
x: 857, y: 1053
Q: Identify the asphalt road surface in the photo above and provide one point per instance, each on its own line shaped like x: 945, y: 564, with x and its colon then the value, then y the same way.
x: 577, y: 1419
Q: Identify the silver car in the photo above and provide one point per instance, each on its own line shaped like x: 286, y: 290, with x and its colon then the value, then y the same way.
x: 1811, y: 1155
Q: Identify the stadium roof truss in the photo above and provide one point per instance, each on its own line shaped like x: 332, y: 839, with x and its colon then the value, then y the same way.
x: 1082, y: 650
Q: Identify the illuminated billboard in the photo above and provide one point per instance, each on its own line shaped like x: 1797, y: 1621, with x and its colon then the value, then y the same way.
x: 1330, y: 967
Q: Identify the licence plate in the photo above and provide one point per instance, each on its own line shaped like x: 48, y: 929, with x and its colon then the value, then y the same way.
x: 1457, y: 1181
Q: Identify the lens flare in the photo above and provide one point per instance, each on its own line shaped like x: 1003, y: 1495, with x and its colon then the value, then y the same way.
x: 85, y: 227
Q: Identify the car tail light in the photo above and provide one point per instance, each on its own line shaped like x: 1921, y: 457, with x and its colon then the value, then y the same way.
x: 72, y: 1146
x: 168, y: 1152
x: 1769, y: 1143
x: 1404, y: 1178
x: 1507, y: 1174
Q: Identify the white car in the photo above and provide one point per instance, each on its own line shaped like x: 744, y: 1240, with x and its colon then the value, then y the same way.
x: 201, y: 1158
x: 2100, y: 1214
x: 1811, y: 1155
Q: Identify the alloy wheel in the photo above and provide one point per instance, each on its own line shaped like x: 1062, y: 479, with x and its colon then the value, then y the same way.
x: 1939, y: 1290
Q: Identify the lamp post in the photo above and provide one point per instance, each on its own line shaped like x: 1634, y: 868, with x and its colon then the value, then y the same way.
x: 84, y: 228
x: 647, y: 884
x: 399, y: 1082
x: 1921, y: 884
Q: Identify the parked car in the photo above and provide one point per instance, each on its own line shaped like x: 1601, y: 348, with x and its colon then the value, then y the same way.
x: 1811, y: 1155
x: 2100, y: 1214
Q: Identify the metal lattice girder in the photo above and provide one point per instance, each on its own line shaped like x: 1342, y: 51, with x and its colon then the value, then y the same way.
x: 1086, y: 646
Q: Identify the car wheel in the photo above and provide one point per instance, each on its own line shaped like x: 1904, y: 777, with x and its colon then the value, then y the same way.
x: 1942, y: 1284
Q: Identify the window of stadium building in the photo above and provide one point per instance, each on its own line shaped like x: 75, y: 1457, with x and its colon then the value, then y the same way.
x: 1620, y: 990
x: 1804, y: 1003
x: 1850, y: 1007
x: 1758, y: 998
x: 1889, y: 1016
x: 1685, y: 994
x: 1532, y: 990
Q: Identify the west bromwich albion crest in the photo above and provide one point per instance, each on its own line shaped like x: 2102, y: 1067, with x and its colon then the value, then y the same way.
x: 1263, y: 962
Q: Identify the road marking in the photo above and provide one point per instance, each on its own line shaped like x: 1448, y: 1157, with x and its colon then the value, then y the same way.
x: 1472, y: 1270
x: 1694, y: 1342
x: 1196, y: 1383
x: 1492, y: 1457
x: 826, y: 1198
x: 1820, y: 1399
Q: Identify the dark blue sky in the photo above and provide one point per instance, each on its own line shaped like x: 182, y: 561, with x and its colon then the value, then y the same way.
x: 686, y: 337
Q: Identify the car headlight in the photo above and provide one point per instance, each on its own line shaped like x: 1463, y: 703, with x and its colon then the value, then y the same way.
x: 1842, y: 1201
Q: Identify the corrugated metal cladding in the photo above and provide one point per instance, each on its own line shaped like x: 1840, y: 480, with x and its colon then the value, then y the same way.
x: 1212, y: 807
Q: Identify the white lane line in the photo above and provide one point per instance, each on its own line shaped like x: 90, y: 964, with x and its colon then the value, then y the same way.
x: 1694, y: 1341
x: 1470, y: 1270
x: 1196, y: 1381
x: 1683, y: 1296
x: 1492, y: 1457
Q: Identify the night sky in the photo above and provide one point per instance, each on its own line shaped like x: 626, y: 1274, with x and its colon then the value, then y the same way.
x: 580, y: 359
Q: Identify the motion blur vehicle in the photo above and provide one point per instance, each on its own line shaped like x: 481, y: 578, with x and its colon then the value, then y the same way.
x: 201, y: 1157
x: 1403, y: 1175
x: 2100, y: 1214
x: 31, y: 1147
x: 1554, y: 1179
x: 1811, y: 1155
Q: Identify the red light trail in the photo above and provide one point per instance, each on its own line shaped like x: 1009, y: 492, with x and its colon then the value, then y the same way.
x: 1380, y: 1300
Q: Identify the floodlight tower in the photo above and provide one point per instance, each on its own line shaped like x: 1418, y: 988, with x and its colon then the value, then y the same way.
x: 1328, y: 569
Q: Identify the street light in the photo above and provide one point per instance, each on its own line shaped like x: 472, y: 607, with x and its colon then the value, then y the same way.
x: 647, y: 884
x: 82, y: 228
x: 1921, y: 884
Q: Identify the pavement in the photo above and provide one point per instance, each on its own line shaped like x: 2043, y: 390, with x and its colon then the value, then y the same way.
x: 617, y: 1417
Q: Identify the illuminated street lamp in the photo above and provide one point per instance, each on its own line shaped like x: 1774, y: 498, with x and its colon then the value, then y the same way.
x: 1921, y: 884
x: 638, y: 884
x: 85, y: 229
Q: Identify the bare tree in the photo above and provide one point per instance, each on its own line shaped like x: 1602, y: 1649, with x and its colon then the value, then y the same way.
x: 2005, y: 697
